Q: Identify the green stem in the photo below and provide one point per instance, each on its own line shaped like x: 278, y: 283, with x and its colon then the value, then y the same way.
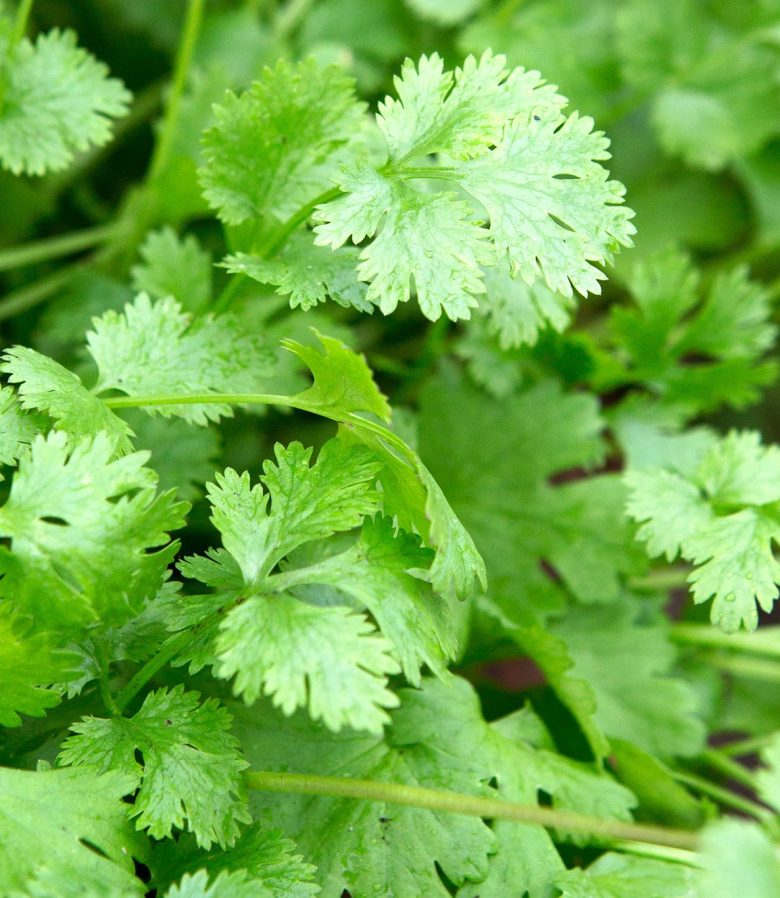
x: 200, y: 399
x: 20, y: 24
x: 290, y: 16
x: 54, y: 247
x: 724, y: 796
x: 105, y: 687
x: 162, y: 149
x: 432, y: 173
x: 296, y: 220
x: 666, y: 578
x: 657, y: 852
x: 273, y: 246
x: 471, y: 805
x: 169, y: 649
x: 744, y: 747
x: 744, y: 666
x: 765, y: 641
x: 38, y: 291
x: 723, y: 764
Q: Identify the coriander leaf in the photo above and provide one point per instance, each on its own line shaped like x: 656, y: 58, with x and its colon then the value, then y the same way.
x: 739, y: 859
x: 190, y: 773
x: 69, y: 824
x: 44, y: 385
x: 343, y: 383
x: 17, y: 427
x: 328, y: 659
x: 306, y: 503
x: 725, y: 518
x: 501, y: 487
x: 266, y: 856
x: 460, y: 113
x: 768, y: 777
x: 678, y: 54
x: 727, y: 329
x: 29, y: 664
x: 517, y: 312
x: 537, y: 174
x: 174, y: 266
x: 307, y: 273
x: 82, y: 526
x: 621, y: 875
x: 343, y: 387
x: 57, y: 100
x: 626, y: 664
x: 435, y: 240
x: 270, y: 150
x: 153, y: 349
x: 226, y: 885
x: 549, y: 226
x: 376, y: 571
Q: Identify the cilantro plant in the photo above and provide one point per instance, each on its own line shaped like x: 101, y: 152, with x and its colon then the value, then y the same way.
x: 389, y: 503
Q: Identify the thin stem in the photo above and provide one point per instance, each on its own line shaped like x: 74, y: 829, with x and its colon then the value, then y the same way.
x: 231, y: 292
x: 290, y: 16
x: 105, y: 687
x: 724, y: 796
x: 169, y: 649
x: 54, y: 247
x: 432, y: 173
x: 296, y: 220
x: 657, y: 852
x: 723, y: 764
x: 666, y: 578
x: 764, y: 642
x: 199, y: 399
x: 36, y: 292
x: 19, y: 30
x: 744, y: 747
x: 20, y: 24
x: 744, y: 666
x: 471, y: 805
x: 162, y: 149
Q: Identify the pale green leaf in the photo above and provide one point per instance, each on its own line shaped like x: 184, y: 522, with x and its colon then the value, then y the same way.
x: 155, y: 349
x: 44, y: 385
x: 57, y: 100
x: 174, y: 266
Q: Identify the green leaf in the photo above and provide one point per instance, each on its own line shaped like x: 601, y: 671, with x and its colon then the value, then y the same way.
x: 517, y: 518
x: 67, y: 827
x: 266, y: 856
x: 536, y: 173
x: 82, y: 528
x: 343, y: 387
x: 226, y: 885
x: 444, y: 13
x: 627, y: 664
x: 678, y: 54
x: 273, y: 148
x: 435, y: 240
x: 306, y: 503
x: 57, y: 100
x: 44, y: 385
x: 29, y: 663
x: 551, y: 227
x: 377, y: 572
x: 621, y: 876
x: 174, y: 266
x: 328, y: 659
x: 307, y: 273
x: 154, y: 349
x: 343, y: 382
x: 725, y: 518
x: 190, y: 773
x: 740, y: 859
x: 17, y: 427
x: 727, y: 329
